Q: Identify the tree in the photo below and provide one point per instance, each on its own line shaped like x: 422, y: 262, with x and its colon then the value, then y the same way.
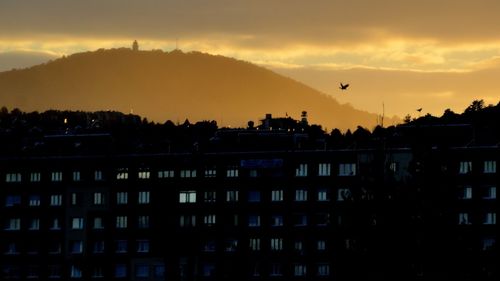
x: 475, y: 106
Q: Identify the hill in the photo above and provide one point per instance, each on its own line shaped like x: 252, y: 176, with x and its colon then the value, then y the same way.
x: 171, y: 86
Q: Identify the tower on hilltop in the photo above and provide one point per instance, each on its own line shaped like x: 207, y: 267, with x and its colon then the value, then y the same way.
x: 135, y: 46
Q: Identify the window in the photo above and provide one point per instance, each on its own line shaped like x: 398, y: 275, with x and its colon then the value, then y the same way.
x: 488, y: 243
x: 120, y: 271
x: 143, y: 197
x: 255, y: 269
x: 98, y: 198
x: 76, y: 246
x: 97, y: 272
x: 143, y: 246
x: 54, y: 247
x: 77, y: 223
x: 209, y: 219
x: 187, y: 220
x: 33, y: 272
x: 231, y: 245
x: 299, y: 269
x: 76, y: 272
x: 76, y: 175
x: 232, y: 196
x: 465, y: 193
x: 56, y: 200
x: 188, y: 174
x: 142, y: 271
x: 122, y: 174
x: 322, y: 219
x: 54, y: 271
x: 321, y: 245
x: 323, y: 269
x: 299, y: 220
x: 347, y: 169
x: 187, y: 196
x: 208, y: 269
x: 165, y: 174
x: 144, y: 174
x: 121, y: 198
x: 74, y: 199
x: 276, y: 270
x: 98, y: 223
x: 121, y: 246
x: 98, y: 247
x: 34, y: 200
x: 121, y: 222
x: 55, y: 224
x: 276, y: 244
x: 323, y: 195
x: 12, y: 200
x: 34, y: 224
x: 463, y: 218
x: 298, y: 246
x: 232, y: 173
x: 13, y: 224
x: 324, y: 169
x: 393, y: 167
x: 11, y: 249
x: 253, y: 221
x: 301, y: 170
x: 98, y: 175
x: 277, y: 195
x: 253, y: 173
x: 143, y: 222
x: 490, y: 218
x: 209, y: 246
x: 159, y: 271
x: 344, y: 194
x: 210, y: 173
x: 56, y: 176
x: 490, y: 167
x: 254, y: 196
x: 254, y: 244
x: 209, y: 196
x: 276, y: 220
x: 491, y: 193
x: 35, y: 177
x: 13, y: 177
x: 465, y: 167
x: 300, y: 195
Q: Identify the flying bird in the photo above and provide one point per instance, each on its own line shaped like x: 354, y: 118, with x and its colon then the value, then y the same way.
x: 343, y: 87
x: 419, y: 110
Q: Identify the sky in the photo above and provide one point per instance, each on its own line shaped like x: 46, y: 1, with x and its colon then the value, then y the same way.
x: 397, y: 55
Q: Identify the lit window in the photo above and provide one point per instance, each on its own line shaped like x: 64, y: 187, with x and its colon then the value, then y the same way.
x: 76, y: 247
x: 98, y: 198
x: 143, y: 222
x: 490, y: 218
x: 299, y: 220
x: 34, y: 224
x: 121, y: 198
x: 276, y: 244
x: 298, y: 246
x: 323, y: 269
x: 210, y: 173
x: 122, y: 174
x: 231, y: 245
x: 56, y: 200
x: 465, y: 192
x: 465, y: 167
x: 35, y: 177
x: 55, y: 224
x: 142, y: 246
x: 187, y: 196
x: 463, y: 218
x: 188, y: 174
x: 12, y: 200
x: 121, y: 222
x: 76, y: 272
x: 187, y: 220
x: 344, y: 194
x: 166, y: 174
x: 98, y: 223
x: 300, y: 195
x: 301, y: 170
x: 74, y: 198
x: 491, y: 193
x: 253, y: 220
x: 324, y: 169
x: 143, y: 197
x: 77, y: 223
x: 299, y: 270
x: 13, y: 224
x: 490, y: 167
x: 34, y: 200
x: 276, y: 220
x: 56, y: 176
x: 323, y: 195
x: 142, y: 271
x: 488, y: 243
x: 144, y: 174
x: 13, y: 177
x: 232, y: 196
x: 121, y: 246
x: 277, y: 195
x: 254, y: 244
x: 209, y: 196
x: 98, y: 175
x: 232, y: 173
x: 254, y: 196
x: 76, y: 175
x: 321, y: 245
x: 347, y: 169
x: 393, y: 167
x: 209, y: 219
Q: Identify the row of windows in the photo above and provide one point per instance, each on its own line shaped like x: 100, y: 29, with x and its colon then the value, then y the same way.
x: 320, y: 219
x: 489, y: 167
x: 141, y: 270
x: 488, y: 218
x: 76, y: 223
x: 98, y: 198
x: 254, y: 244
x: 489, y: 192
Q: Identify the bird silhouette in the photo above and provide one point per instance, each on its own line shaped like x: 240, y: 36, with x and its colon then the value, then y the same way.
x: 343, y: 87
x: 419, y: 110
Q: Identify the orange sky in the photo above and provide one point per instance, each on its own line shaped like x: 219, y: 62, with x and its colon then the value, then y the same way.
x: 405, y: 54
